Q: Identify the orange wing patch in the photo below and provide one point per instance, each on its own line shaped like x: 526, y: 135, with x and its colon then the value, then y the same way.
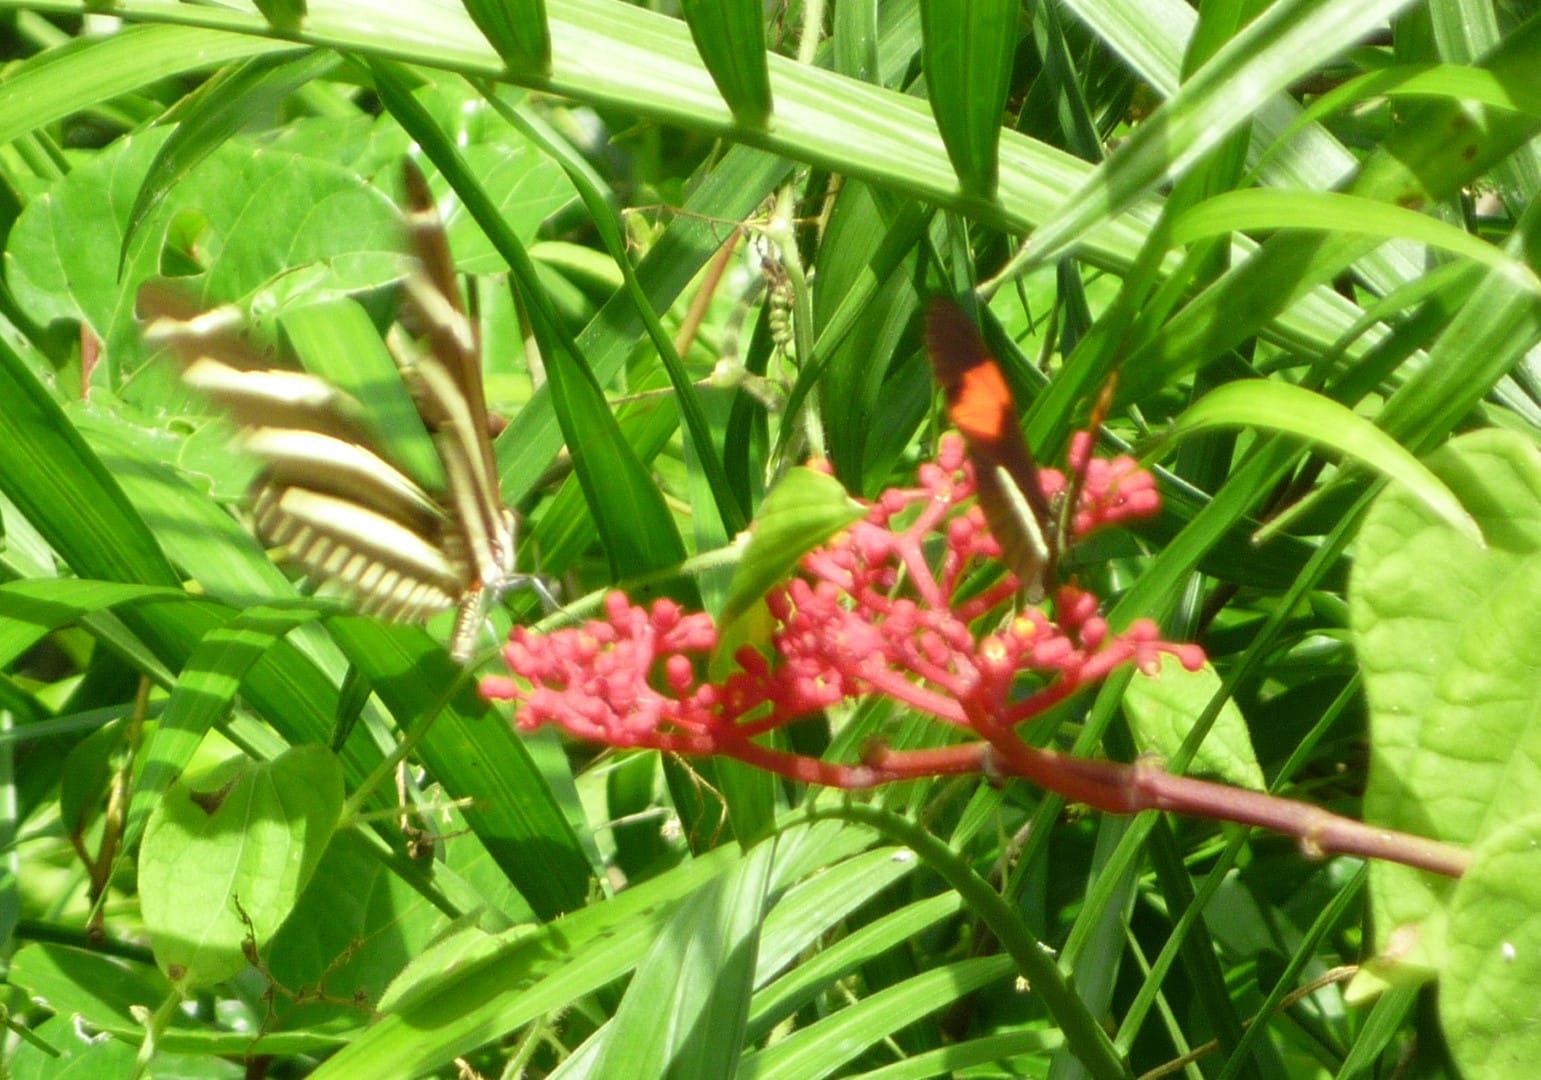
x: 982, y: 408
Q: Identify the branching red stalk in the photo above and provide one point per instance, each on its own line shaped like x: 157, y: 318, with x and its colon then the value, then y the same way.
x: 869, y: 615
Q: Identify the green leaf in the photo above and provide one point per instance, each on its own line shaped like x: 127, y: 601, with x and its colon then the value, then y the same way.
x: 1458, y: 81
x: 204, y: 693
x: 59, y: 82
x: 111, y: 994
x: 1256, y: 209
x: 101, y: 989
x: 356, y: 925
x: 213, y: 113
x: 61, y: 487
x: 88, y: 769
x: 1280, y: 406
x: 70, y: 1057
x: 224, y: 859
x: 699, y: 973
x: 470, y: 987
x: 1289, y: 38
x: 33, y: 609
x: 801, y: 512
x: 1487, y: 992
x: 1438, y: 149
x: 1162, y: 709
x: 474, y: 753
x: 1446, y: 632
x: 730, y: 35
x: 158, y: 472
x: 285, y: 15
x: 611, y: 232
x: 969, y: 48
x: 257, y: 219
x: 517, y: 29
x: 337, y: 341
x: 839, y: 1038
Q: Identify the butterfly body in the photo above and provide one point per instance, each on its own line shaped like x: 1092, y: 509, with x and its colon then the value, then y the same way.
x: 329, y: 493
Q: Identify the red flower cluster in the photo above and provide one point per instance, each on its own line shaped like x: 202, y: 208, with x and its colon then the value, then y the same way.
x: 872, y: 613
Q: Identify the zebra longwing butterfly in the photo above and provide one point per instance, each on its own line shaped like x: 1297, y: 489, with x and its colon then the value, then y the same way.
x: 980, y: 405
x: 349, y: 516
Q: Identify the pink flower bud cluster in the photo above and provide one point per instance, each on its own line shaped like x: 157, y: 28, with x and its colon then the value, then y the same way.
x: 880, y: 609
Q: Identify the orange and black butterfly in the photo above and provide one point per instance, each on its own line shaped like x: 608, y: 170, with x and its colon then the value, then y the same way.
x: 980, y: 405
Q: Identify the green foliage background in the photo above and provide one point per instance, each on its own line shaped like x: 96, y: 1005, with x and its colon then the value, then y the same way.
x: 1303, y: 234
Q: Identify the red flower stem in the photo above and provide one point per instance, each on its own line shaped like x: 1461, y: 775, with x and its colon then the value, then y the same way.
x: 965, y: 758
x: 1111, y: 787
x: 809, y: 770
x: 939, y: 706
x: 1036, y: 704
x: 1319, y: 831
x: 1129, y: 789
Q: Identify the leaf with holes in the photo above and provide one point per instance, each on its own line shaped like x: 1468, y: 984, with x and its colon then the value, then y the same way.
x: 226, y: 856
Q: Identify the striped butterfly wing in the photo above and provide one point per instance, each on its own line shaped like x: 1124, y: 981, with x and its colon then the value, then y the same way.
x: 328, y: 493
x: 440, y: 357
x: 980, y: 405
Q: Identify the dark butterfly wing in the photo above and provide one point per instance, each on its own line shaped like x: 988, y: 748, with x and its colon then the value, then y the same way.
x: 980, y: 405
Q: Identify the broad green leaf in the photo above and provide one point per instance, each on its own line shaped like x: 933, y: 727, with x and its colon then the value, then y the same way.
x: 30, y: 610
x: 801, y: 512
x: 213, y: 113
x: 161, y: 473
x: 72, y: 1055
x: 107, y: 992
x: 224, y: 859
x: 1281, y: 406
x: 353, y: 929
x: 1162, y: 709
x: 101, y: 990
x: 1446, y: 634
x: 515, y: 171
x: 262, y: 220
x: 472, y: 987
x: 205, y: 691
x: 1487, y: 990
